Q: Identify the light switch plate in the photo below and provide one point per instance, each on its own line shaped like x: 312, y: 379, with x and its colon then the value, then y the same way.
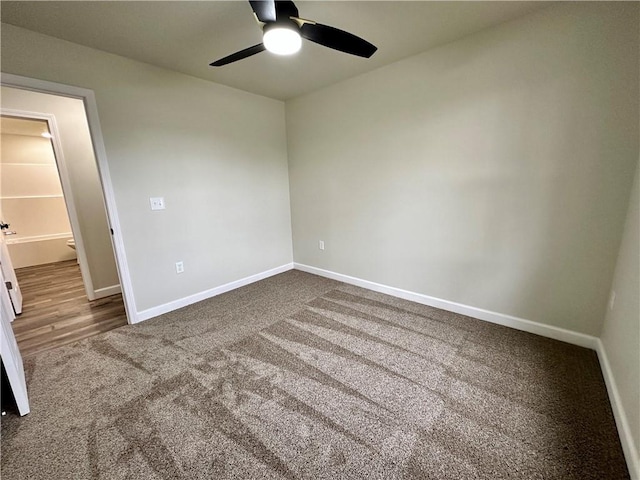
x: 157, y: 203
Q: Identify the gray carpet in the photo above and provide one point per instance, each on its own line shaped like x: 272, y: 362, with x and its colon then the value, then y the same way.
x: 298, y: 376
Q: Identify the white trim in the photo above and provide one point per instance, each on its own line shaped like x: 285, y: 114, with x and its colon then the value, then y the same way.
x: 95, y: 131
x: 67, y: 191
x: 548, y: 331
x: 107, y: 291
x: 37, y: 238
x: 624, y: 430
x: 212, y: 292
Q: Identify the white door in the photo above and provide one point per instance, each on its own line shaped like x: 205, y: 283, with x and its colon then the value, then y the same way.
x: 9, y: 274
x: 9, y: 352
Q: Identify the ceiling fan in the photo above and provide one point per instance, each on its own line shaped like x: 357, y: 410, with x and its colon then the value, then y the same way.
x: 283, y: 31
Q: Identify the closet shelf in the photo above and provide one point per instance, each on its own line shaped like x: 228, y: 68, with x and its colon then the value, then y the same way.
x: 20, y: 197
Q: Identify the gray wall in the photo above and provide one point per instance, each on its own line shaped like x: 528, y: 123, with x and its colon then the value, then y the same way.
x: 493, y: 171
x: 216, y: 154
x: 621, y: 330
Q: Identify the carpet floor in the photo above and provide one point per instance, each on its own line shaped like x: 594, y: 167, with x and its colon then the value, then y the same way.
x: 301, y: 377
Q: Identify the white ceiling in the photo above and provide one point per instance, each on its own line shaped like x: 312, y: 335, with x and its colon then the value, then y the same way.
x: 186, y: 36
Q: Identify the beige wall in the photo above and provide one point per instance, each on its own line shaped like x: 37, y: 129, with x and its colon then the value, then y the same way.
x: 83, y: 176
x: 217, y: 155
x: 621, y: 330
x: 493, y: 171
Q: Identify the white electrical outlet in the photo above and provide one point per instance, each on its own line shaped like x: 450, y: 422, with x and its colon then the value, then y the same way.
x: 157, y: 203
x: 321, y: 244
x: 179, y: 267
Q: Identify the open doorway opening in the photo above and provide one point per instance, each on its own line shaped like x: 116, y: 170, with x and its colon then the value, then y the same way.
x: 32, y: 198
x: 59, y: 237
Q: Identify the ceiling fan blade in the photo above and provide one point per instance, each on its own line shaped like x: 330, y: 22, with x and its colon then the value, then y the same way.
x: 286, y: 9
x: 337, y: 39
x: 265, y: 10
x: 234, y: 57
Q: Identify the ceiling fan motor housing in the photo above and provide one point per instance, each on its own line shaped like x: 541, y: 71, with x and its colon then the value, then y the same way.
x: 282, y: 37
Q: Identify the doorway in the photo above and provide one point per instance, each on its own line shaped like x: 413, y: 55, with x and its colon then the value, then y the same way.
x: 62, y: 247
x: 31, y: 195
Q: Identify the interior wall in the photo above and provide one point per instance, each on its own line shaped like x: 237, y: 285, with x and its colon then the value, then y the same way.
x: 621, y: 330
x: 493, y: 171
x: 217, y: 156
x: 33, y: 201
x: 81, y: 166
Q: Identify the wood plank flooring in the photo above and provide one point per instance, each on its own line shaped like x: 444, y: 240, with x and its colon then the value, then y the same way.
x: 56, y: 310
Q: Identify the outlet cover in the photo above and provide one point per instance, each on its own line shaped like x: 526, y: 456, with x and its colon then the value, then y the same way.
x: 321, y: 244
x: 157, y: 203
x: 179, y: 267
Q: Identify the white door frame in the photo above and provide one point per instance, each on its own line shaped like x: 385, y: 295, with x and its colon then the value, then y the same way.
x: 66, y: 190
x: 91, y: 109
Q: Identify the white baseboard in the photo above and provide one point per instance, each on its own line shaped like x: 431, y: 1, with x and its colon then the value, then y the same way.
x: 624, y: 431
x: 198, y: 297
x: 549, y: 331
x: 107, y: 291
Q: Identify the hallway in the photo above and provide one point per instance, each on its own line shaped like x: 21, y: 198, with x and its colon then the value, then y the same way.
x: 56, y: 310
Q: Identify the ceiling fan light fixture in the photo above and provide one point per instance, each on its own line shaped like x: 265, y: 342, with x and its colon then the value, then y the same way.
x: 283, y: 31
x: 282, y: 39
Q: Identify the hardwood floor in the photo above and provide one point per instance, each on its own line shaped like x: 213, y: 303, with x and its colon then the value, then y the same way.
x: 56, y: 310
